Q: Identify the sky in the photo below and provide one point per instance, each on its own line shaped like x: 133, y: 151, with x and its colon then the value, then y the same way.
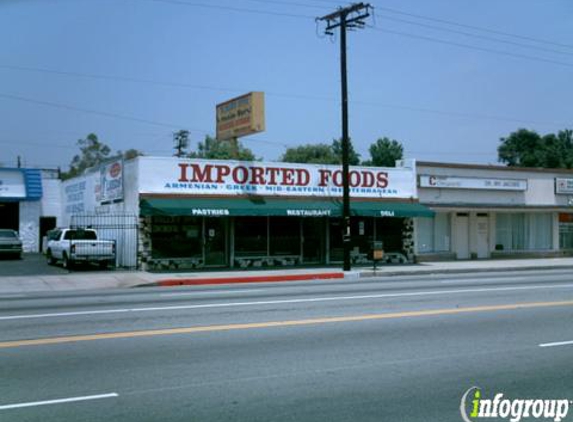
x: 446, y: 78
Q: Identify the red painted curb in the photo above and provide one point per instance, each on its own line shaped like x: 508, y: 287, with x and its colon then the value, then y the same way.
x: 248, y: 279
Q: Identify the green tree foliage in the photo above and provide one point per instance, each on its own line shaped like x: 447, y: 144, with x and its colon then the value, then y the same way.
x: 93, y: 152
x: 222, y: 150
x: 353, y: 156
x: 527, y: 148
x: 181, y: 140
x: 384, y: 153
x: 320, y: 154
x: 311, y: 153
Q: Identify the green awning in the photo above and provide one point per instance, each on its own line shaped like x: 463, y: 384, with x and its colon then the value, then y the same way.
x: 221, y: 207
x: 390, y: 209
x: 257, y: 206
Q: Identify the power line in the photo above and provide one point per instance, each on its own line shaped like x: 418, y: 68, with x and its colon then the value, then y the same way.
x: 473, y: 47
x: 478, y: 28
x: 233, y: 9
x: 468, y: 34
x: 462, y: 45
x: 269, y: 93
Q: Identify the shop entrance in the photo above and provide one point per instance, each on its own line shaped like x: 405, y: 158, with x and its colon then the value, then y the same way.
x: 461, y: 238
x: 46, y: 224
x: 215, y: 242
x: 10, y: 215
x: 482, y: 236
x: 312, y: 240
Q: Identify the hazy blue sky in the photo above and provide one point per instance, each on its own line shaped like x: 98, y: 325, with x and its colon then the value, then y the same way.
x: 133, y: 71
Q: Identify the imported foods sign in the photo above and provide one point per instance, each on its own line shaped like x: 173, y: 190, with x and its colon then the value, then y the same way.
x: 241, y: 116
x: 229, y: 178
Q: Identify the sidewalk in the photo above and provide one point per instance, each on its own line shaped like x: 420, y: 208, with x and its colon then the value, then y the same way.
x: 14, y: 285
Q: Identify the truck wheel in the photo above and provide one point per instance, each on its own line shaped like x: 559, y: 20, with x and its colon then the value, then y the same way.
x: 103, y: 265
x: 67, y: 263
x: 50, y: 258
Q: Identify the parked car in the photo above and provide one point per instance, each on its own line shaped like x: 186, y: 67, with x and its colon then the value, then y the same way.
x: 10, y: 244
x: 71, y: 246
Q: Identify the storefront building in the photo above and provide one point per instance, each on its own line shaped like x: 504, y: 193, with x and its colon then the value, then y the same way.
x: 486, y: 211
x: 209, y: 214
x: 29, y: 203
x: 201, y: 214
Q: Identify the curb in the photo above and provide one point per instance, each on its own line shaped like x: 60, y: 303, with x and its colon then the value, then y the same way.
x: 366, y: 274
x: 246, y: 279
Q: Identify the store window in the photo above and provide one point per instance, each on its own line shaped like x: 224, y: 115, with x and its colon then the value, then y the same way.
x: 521, y: 231
x: 433, y: 234
x: 565, y: 231
x: 177, y: 237
x: 284, y: 236
x: 251, y: 236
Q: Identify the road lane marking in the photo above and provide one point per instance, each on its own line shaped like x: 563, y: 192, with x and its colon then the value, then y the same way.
x: 209, y: 292
x: 483, y: 280
x: 288, y: 301
x: 558, y: 343
x: 270, y: 324
x: 58, y: 401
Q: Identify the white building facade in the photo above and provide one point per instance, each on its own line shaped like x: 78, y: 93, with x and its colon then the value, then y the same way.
x: 493, y: 212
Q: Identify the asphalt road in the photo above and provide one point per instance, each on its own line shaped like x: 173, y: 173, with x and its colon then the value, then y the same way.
x: 404, y: 349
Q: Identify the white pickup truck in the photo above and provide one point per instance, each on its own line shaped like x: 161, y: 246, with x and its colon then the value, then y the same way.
x: 71, y: 246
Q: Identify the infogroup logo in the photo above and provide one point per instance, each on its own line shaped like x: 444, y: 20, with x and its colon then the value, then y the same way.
x: 474, y: 407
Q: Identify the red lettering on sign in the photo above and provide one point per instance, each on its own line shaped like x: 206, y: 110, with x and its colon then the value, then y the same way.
x: 201, y: 176
x: 288, y: 177
x: 242, y: 178
x: 257, y: 176
x: 324, y: 177
x: 382, y: 179
x: 183, y: 172
x: 303, y: 177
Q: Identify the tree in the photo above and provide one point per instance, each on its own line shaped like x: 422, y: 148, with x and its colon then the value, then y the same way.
x: 311, y: 153
x: 181, y: 141
x: 130, y: 154
x: 92, y: 153
x: 353, y: 156
x: 527, y: 148
x: 384, y: 153
x: 320, y: 154
x: 222, y: 150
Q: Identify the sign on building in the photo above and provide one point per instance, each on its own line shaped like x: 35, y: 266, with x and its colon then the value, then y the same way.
x: 454, y: 182
x: 563, y: 186
x: 110, y: 183
x: 232, y: 178
x: 241, y: 116
x: 12, y: 184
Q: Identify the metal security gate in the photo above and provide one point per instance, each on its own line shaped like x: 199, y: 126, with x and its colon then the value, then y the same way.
x: 121, y: 228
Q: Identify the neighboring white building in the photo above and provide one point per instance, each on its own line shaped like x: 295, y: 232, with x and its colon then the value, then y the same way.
x: 29, y: 203
x: 485, y: 211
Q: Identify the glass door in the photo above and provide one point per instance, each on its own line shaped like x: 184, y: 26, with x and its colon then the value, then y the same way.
x: 312, y: 240
x: 215, y: 242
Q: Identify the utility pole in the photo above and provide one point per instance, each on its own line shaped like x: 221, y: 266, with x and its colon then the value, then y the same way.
x: 181, y: 141
x: 349, y: 17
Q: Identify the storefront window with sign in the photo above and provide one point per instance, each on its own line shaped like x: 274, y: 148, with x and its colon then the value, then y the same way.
x: 177, y: 237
